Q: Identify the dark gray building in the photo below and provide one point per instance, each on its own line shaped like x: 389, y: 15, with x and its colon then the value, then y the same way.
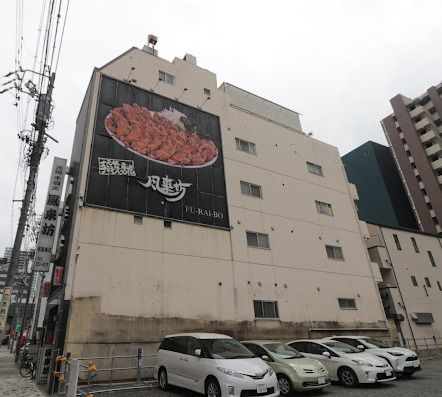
x: 382, y: 197
x: 414, y: 132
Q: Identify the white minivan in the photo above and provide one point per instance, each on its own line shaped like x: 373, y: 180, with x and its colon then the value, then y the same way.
x: 213, y: 364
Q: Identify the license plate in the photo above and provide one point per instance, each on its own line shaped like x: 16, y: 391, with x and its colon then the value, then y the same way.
x: 388, y: 373
x: 261, y: 389
x: 416, y: 363
x: 321, y: 381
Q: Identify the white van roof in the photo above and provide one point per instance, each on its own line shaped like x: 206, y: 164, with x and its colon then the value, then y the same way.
x: 201, y: 335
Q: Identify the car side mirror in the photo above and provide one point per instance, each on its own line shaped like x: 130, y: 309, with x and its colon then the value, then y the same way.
x: 265, y: 357
x: 197, y: 352
x: 326, y: 354
x: 362, y: 347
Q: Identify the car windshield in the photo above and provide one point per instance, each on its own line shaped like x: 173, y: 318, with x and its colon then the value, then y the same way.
x: 373, y: 343
x: 282, y: 351
x: 342, y: 347
x: 226, y: 348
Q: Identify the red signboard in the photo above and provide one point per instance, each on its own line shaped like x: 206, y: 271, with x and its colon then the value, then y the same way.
x: 58, y: 275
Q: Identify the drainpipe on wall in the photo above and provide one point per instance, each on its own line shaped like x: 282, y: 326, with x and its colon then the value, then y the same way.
x: 399, y: 289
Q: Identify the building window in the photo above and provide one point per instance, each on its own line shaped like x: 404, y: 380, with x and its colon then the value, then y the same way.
x: 414, y: 281
x: 249, y: 189
x: 334, y: 252
x: 427, y: 282
x: 439, y: 286
x: 245, y: 146
x: 167, y: 224
x: 266, y: 309
x: 347, y: 304
x: 413, y: 241
x: 167, y: 78
x: 138, y: 220
x: 430, y: 255
x: 314, y: 169
x: 324, y: 208
x: 206, y: 92
x: 257, y: 240
x: 396, y: 240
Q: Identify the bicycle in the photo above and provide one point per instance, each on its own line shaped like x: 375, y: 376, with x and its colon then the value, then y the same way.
x: 27, y: 368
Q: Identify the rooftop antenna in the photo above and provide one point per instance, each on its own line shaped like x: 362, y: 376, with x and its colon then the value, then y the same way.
x: 152, y: 40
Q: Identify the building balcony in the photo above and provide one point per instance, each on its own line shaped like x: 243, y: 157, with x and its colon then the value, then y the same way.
x: 428, y: 136
x: 437, y: 164
x: 423, y: 123
x: 436, y: 148
x: 416, y: 111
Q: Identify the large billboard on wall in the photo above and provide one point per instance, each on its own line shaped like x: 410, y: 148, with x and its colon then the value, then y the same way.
x: 155, y: 156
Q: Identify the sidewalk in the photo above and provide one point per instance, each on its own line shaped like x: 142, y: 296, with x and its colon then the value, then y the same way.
x: 12, y: 384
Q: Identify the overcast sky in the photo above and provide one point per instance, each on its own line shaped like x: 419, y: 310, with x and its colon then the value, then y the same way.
x: 336, y: 62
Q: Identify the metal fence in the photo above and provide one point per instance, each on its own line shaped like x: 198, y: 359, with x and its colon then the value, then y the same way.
x: 90, y: 376
x: 423, y: 344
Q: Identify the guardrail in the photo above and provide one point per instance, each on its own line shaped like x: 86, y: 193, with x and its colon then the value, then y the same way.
x: 81, y: 376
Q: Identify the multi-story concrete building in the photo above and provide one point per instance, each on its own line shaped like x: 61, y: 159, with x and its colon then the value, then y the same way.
x: 411, y: 266
x: 382, y: 197
x: 247, y: 226
x: 23, y: 263
x: 414, y: 132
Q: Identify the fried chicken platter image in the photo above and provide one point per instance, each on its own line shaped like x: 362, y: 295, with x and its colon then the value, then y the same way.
x: 160, y: 136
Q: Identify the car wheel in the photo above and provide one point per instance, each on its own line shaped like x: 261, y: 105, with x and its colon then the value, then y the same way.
x: 162, y: 379
x: 348, y: 377
x: 285, y: 386
x: 212, y: 388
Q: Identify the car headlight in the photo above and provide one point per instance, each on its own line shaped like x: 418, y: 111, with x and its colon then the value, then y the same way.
x: 397, y: 354
x: 296, y: 368
x: 362, y: 362
x: 230, y: 372
x: 270, y: 371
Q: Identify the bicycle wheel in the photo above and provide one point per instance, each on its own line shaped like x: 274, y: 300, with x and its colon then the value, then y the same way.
x: 26, y: 370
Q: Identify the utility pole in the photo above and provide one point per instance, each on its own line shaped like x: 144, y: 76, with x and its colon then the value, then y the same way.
x: 42, y: 117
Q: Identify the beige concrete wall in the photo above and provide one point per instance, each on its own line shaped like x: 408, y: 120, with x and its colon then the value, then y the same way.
x: 130, y: 282
x: 406, y: 262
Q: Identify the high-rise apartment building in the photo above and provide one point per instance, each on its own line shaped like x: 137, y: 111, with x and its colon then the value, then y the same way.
x: 414, y: 132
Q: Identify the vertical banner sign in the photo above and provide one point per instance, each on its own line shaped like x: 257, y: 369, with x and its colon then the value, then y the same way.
x: 46, y: 235
x: 58, y: 275
x: 4, y: 306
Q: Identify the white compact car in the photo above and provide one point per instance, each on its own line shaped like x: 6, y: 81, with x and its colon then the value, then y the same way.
x: 213, y: 364
x: 403, y: 361
x: 344, y: 362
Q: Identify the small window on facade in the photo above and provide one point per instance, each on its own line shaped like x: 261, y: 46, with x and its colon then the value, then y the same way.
x: 138, y: 220
x: 427, y: 282
x: 324, y: 208
x: 396, y: 240
x: 413, y: 241
x: 414, y: 281
x: 334, y: 252
x: 167, y: 78
x: 266, y: 309
x: 257, y: 240
x: 314, y: 169
x: 439, y: 286
x: 430, y: 255
x: 413, y: 165
x: 245, y: 146
x: 347, y: 304
x: 206, y: 92
x: 167, y: 224
x: 429, y: 206
x: 249, y: 189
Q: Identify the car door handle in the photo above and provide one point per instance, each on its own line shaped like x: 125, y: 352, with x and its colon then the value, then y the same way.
x: 184, y: 359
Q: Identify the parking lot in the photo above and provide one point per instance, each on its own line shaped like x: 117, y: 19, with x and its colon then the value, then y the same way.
x: 427, y: 382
